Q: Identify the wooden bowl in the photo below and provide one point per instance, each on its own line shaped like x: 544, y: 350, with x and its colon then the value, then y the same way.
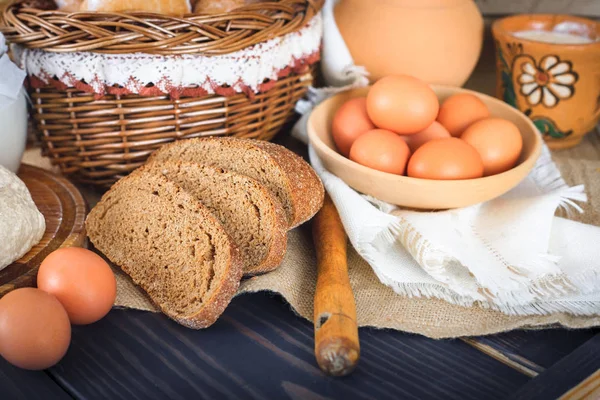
x: 422, y: 193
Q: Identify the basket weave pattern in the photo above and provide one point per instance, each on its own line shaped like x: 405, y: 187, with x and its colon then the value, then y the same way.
x: 99, y: 140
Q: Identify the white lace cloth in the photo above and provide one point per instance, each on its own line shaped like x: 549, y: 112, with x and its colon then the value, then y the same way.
x: 242, y: 71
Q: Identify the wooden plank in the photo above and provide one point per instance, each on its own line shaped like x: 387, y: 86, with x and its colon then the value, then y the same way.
x: 529, y: 351
x: 564, y: 375
x: 260, y: 349
x: 16, y: 383
x: 526, y: 367
x: 588, y: 389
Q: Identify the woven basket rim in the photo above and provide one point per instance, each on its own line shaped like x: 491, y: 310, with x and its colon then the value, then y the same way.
x: 98, y: 141
x: 119, y: 33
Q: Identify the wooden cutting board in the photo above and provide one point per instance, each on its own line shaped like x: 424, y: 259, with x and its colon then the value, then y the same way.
x: 64, y: 209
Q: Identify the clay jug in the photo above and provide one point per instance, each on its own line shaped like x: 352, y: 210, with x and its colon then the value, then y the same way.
x: 438, y: 41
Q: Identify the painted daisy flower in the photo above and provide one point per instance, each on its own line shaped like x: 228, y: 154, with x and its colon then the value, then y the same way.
x: 547, y: 82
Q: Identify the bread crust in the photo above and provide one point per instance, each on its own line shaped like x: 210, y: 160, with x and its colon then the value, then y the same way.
x: 212, y: 307
x: 303, y: 184
x: 278, y: 243
x: 306, y: 186
x: 218, y: 302
x: 180, y: 7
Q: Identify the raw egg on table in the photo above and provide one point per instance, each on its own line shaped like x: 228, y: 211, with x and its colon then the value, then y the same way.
x: 81, y: 280
x: 498, y: 142
x: 402, y: 104
x: 350, y: 121
x: 34, y: 329
x: 459, y: 111
x: 433, y: 131
x: 382, y: 150
x: 446, y: 159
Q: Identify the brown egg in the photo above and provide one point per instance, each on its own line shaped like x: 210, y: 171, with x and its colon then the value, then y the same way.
x: 498, y: 141
x: 459, y: 111
x: 350, y: 121
x: 433, y: 131
x: 381, y: 150
x: 34, y: 329
x: 81, y: 280
x: 402, y: 104
x: 446, y: 159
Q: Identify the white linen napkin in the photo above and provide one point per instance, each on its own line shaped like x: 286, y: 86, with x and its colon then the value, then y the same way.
x: 509, y: 254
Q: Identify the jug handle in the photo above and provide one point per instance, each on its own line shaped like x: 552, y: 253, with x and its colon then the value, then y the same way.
x: 597, y: 112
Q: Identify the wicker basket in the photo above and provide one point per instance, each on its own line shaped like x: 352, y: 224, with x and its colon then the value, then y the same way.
x: 99, y: 140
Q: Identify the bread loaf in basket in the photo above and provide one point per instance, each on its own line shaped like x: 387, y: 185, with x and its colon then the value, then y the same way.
x: 109, y: 88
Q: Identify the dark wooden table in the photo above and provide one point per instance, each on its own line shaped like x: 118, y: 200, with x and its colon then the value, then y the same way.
x: 260, y: 349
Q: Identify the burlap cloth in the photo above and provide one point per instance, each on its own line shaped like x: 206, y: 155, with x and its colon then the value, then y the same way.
x: 377, y: 305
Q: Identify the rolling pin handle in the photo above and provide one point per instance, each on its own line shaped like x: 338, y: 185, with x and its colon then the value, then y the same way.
x: 337, y: 348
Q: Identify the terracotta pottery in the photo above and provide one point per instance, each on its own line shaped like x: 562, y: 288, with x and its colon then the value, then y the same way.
x: 415, y: 192
x: 556, y: 85
x: 438, y: 41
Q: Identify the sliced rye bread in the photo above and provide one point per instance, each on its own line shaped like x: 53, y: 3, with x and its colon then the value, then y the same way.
x: 170, y: 245
x: 293, y: 182
x: 247, y: 210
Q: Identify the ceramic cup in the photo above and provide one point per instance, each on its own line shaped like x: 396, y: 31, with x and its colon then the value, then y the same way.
x: 556, y: 84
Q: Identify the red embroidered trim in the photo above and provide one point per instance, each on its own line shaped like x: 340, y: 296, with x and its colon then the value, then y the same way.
x: 299, y: 66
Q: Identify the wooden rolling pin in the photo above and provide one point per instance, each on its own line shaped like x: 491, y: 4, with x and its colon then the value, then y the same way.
x: 336, y: 333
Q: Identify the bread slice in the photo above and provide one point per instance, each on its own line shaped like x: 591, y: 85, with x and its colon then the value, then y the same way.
x: 246, y: 209
x: 293, y: 182
x: 170, y: 245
